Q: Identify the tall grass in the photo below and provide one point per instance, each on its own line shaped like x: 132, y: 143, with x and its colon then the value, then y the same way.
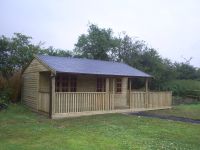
x: 12, y: 86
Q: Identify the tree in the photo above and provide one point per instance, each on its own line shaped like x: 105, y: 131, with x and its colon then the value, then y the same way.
x: 186, y: 71
x: 97, y: 44
x: 15, y: 53
x: 56, y: 52
x: 128, y: 50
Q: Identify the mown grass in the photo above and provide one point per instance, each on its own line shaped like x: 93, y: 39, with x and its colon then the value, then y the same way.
x: 21, y: 129
x: 188, y: 111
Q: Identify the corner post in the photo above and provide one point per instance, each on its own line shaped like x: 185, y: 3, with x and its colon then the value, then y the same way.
x: 52, y: 95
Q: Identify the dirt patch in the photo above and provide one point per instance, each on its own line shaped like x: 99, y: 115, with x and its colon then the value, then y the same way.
x: 174, y: 118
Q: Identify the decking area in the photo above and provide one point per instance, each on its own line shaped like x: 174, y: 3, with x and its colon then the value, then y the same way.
x: 68, y: 104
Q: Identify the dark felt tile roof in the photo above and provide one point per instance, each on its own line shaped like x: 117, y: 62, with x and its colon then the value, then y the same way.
x: 89, y: 66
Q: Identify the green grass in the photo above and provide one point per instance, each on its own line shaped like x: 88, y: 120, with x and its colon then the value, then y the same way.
x: 21, y: 129
x: 188, y: 111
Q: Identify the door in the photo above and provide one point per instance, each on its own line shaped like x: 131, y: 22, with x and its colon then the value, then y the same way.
x: 44, y: 92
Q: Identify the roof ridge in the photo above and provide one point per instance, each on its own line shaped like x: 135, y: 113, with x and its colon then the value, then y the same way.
x: 68, y: 57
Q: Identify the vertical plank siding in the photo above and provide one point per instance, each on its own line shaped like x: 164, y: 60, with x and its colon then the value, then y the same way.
x: 154, y: 100
x: 68, y: 102
x: 43, y: 102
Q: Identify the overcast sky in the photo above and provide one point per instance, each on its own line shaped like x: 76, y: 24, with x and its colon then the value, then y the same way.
x: 170, y: 26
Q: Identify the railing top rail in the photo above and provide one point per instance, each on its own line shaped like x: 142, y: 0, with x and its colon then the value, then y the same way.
x: 43, y: 91
x: 81, y: 92
x: 160, y: 91
x: 138, y: 92
x: 151, y: 92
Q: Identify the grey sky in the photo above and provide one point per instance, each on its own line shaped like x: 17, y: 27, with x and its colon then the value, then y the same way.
x: 170, y: 26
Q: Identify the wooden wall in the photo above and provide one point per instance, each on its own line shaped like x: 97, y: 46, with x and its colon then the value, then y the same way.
x: 30, y: 84
x: 86, y: 83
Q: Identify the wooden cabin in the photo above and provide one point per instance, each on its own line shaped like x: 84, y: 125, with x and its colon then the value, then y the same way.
x: 63, y: 87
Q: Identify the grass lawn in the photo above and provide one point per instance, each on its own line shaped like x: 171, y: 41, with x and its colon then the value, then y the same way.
x: 188, y: 111
x: 21, y: 129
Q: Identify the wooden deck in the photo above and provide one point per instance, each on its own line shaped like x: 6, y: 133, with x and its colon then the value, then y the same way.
x: 88, y: 113
x: 68, y: 104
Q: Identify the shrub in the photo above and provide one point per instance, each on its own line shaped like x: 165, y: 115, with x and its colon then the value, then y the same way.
x: 5, y: 95
x: 182, y: 87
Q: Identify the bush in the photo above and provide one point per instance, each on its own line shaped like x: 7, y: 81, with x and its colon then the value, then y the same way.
x: 5, y: 95
x: 183, y: 88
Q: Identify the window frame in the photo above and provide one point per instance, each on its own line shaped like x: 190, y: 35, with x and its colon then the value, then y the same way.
x: 100, y: 84
x: 73, y: 84
x: 118, y: 85
x: 65, y: 83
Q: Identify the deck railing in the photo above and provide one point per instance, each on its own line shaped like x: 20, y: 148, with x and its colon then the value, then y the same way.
x: 150, y: 100
x: 69, y: 102
x: 73, y: 102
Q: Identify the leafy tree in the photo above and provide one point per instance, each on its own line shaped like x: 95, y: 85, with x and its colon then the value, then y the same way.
x: 97, y: 44
x: 186, y: 71
x: 56, y: 52
x: 18, y: 51
x: 15, y: 53
x: 128, y: 50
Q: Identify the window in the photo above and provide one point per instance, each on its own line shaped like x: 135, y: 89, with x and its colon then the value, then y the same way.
x: 58, y: 83
x: 73, y: 84
x: 101, y: 85
x: 119, y: 85
x: 65, y: 83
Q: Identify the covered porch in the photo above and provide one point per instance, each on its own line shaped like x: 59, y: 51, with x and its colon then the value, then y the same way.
x: 65, y: 95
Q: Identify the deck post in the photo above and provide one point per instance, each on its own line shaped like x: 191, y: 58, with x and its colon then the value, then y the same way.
x: 107, y: 85
x: 130, y: 93
x: 146, y: 84
x: 107, y: 94
x: 113, y: 92
x: 52, y: 95
x: 146, y: 92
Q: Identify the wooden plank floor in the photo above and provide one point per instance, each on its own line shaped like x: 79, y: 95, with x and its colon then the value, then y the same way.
x: 88, y: 113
